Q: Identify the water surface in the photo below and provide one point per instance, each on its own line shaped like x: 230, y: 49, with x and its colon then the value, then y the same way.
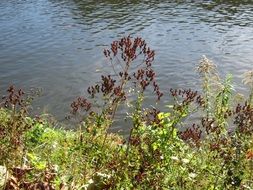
x: 57, y: 44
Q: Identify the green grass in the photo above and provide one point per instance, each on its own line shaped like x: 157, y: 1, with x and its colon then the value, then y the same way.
x: 155, y: 158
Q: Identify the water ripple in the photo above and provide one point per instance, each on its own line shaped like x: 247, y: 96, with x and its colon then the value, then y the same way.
x: 62, y: 41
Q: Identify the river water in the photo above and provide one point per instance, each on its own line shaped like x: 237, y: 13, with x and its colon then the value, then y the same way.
x: 57, y: 45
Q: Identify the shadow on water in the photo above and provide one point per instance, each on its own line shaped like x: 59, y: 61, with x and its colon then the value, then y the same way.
x: 115, y: 14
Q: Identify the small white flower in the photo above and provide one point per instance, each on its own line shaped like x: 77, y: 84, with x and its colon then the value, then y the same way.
x: 103, y: 175
x: 186, y: 161
x: 56, y: 168
x: 174, y: 158
x: 192, y: 175
x: 54, y: 145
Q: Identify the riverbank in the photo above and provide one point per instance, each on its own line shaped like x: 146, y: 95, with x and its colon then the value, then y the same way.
x: 39, y: 156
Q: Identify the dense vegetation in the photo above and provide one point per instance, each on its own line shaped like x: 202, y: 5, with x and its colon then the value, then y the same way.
x: 203, y: 141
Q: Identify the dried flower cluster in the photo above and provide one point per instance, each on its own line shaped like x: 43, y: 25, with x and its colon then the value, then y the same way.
x: 152, y: 117
x: 17, y: 180
x: 210, y: 126
x: 188, y: 96
x: 244, y: 118
x: 128, y: 50
x: 192, y: 134
x: 14, y: 98
x: 79, y: 104
x: 206, y: 66
x: 248, y: 78
x: 132, y: 74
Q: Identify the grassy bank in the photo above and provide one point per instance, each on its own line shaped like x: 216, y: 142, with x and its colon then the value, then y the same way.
x: 163, y: 151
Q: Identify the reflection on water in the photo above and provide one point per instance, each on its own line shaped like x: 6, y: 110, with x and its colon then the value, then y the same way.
x: 57, y: 44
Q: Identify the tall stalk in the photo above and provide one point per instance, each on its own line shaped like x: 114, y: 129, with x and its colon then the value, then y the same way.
x: 206, y: 69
